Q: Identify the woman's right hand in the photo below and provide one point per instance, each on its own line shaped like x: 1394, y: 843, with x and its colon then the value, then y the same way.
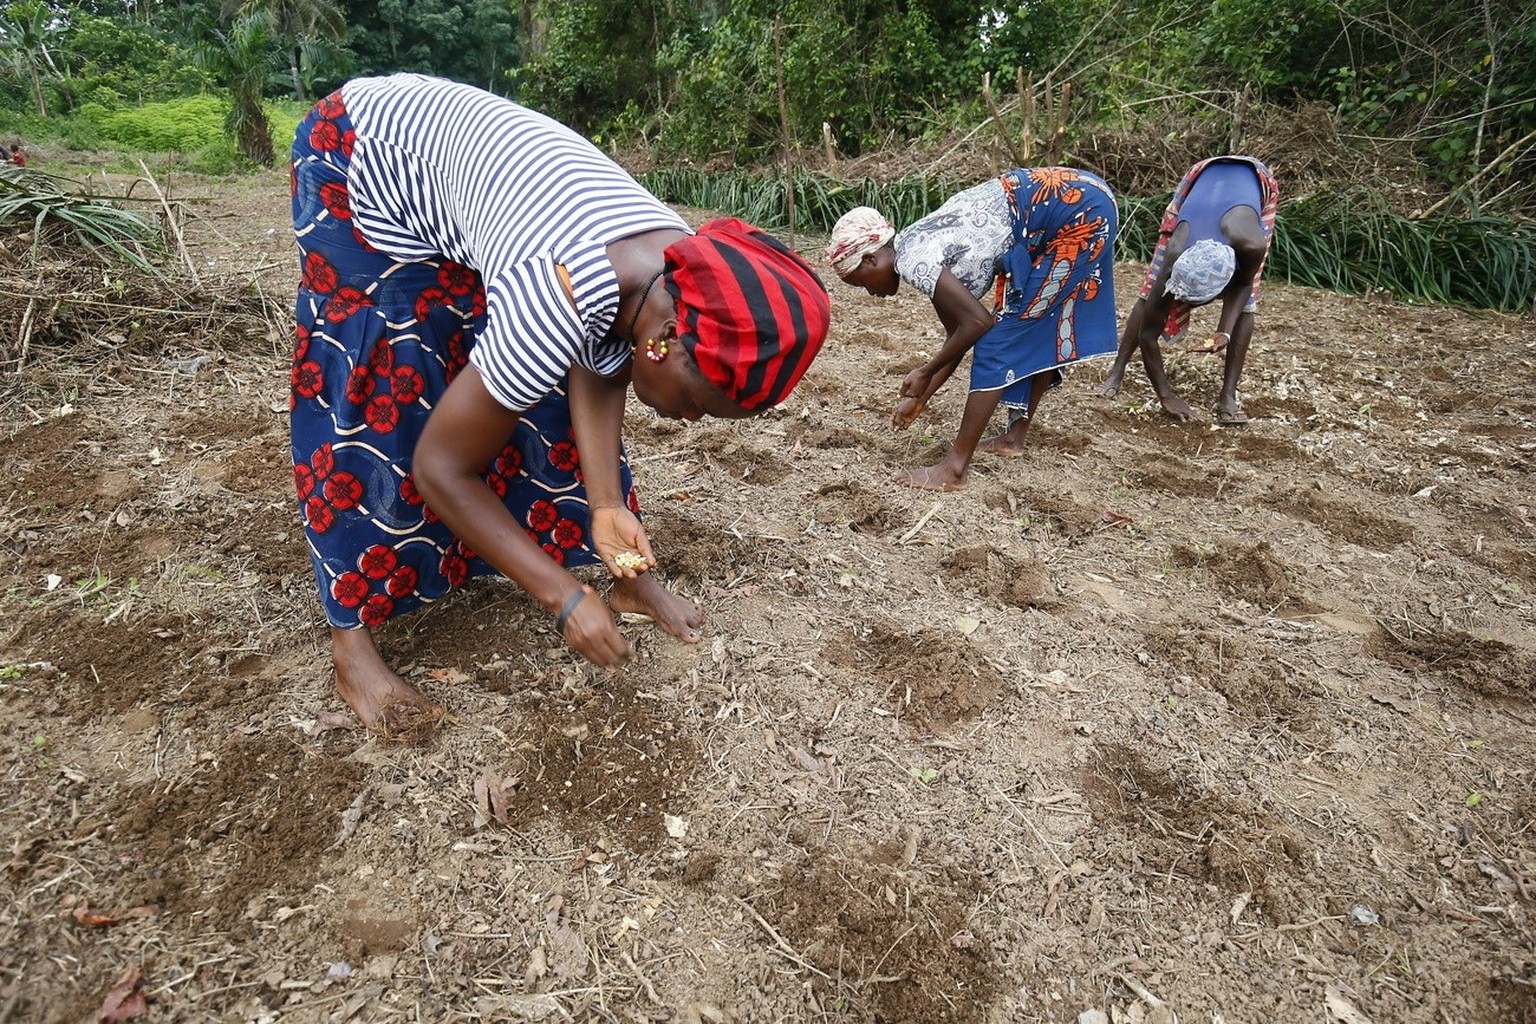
x: 591, y: 633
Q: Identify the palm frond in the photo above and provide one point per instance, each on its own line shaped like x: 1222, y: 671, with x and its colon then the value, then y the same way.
x: 96, y: 223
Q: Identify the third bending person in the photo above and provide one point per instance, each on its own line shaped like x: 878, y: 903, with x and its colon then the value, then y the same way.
x: 1213, y: 241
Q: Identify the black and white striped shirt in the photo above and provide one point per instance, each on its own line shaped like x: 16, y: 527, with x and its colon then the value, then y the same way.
x: 444, y: 169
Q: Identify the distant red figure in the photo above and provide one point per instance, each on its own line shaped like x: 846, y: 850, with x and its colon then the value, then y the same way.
x: 17, y: 156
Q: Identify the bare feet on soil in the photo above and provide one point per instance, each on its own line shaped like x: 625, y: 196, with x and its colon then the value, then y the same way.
x: 1003, y: 444
x: 382, y: 701
x: 644, y: 595
x: 940, y: 477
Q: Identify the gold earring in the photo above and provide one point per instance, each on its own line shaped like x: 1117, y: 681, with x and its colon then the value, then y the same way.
x: 655, y: 350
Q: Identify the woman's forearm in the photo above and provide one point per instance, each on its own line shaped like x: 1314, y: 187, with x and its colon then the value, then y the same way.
x: 463, y: 435
x: 597, y: 417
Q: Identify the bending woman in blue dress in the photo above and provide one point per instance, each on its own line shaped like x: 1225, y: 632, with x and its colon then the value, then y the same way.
x: 1041, y: 240
x: 480, y: 287
x: 1212, y: 243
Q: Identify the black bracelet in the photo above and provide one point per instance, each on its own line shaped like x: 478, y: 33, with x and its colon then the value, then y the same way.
x: 570, y: 606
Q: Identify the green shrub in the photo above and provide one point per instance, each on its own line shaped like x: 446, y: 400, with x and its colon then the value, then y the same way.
x: 180, y: 126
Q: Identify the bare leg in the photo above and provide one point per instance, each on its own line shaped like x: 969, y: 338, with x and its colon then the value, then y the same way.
x: 949, y: 473
x: 1173, y: 405
x: 380, y: 698
x: 644, y: 595
x: 1010, y: 443
x: 1229, y: 412
x: 1128, y: 341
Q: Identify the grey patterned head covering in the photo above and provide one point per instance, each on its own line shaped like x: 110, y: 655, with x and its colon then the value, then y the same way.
x: 1201, y: 271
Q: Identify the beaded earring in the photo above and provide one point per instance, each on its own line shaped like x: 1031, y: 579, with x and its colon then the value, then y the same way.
x: 655, y: 350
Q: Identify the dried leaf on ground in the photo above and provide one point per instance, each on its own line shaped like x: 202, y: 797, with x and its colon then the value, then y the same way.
x: 124, y: 1001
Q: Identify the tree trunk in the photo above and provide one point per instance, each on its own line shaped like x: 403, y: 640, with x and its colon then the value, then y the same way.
x: 255, y: 140
x: 37, y: 92
x: 298, y: 81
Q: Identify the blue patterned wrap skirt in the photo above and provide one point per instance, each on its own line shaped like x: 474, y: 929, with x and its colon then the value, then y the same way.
x: 1056, y: 297
x: 378, y: 342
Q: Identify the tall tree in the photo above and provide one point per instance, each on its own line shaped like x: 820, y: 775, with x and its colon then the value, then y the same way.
x: 241, y: 57
x: 28, y: 31
x: 302, y: 27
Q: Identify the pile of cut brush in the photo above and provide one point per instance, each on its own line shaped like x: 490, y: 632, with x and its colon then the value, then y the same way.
x: 99, y: 277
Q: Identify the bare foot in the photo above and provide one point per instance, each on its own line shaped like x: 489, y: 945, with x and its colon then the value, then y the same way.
x: 1177, y: 408
x: 1003, y: 444
x: 1111, y: 386
x: 382, y: 701
x: 932, y: 478
x: 644, y: 595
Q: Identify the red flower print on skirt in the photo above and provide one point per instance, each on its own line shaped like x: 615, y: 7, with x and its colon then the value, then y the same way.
x: 567, y: 533
x: 343, y: 490
x: 542, y: 515
x: 331, y: 106
x: 325, y: 136
x: 457, y: 279
x: 347, y: 301
x: 308, y: 379
x: 359, y: 385
x: 382, y: 359
x: 402, y: 582
x: 377, y: 561
x: 337, y: 200
x: 407, y: 384
x: 349, y: 589
x: 318, y: 516
x: 429, y: 298
x: 376, y: 610
x: 382, y: 414
x: 319, y: 275
x: 303, y: 480
x: 563, y: 456
x: 324, y: 460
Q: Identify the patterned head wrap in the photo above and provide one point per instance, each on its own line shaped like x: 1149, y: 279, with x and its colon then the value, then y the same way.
x: 1201, y: 271
x: 751, y: 313
x: 856, y: 234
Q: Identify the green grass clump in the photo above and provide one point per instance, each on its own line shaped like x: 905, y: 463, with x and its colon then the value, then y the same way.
x: 39, y: 201
x: 1345, y: 241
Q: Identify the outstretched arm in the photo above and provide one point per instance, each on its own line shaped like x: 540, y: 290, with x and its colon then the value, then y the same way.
x: 464, y: 433
x: 965, y: 320
x: 597, y: 416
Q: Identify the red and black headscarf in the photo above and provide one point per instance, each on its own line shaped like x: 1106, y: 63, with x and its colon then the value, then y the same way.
x: 751, y: 313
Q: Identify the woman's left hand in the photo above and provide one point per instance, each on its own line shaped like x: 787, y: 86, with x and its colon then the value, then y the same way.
x: 916, y: 384
x: 907, y: 411
x: 617, y: 531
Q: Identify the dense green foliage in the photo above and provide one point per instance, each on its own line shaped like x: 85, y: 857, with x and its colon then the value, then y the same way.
x: 1448, y: 89
x: 737, y: 81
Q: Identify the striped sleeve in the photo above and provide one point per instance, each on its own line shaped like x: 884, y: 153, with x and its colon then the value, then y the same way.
x: 532, y: 334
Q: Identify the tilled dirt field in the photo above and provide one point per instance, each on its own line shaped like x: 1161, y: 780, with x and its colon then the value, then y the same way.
x: 1161, y: 719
